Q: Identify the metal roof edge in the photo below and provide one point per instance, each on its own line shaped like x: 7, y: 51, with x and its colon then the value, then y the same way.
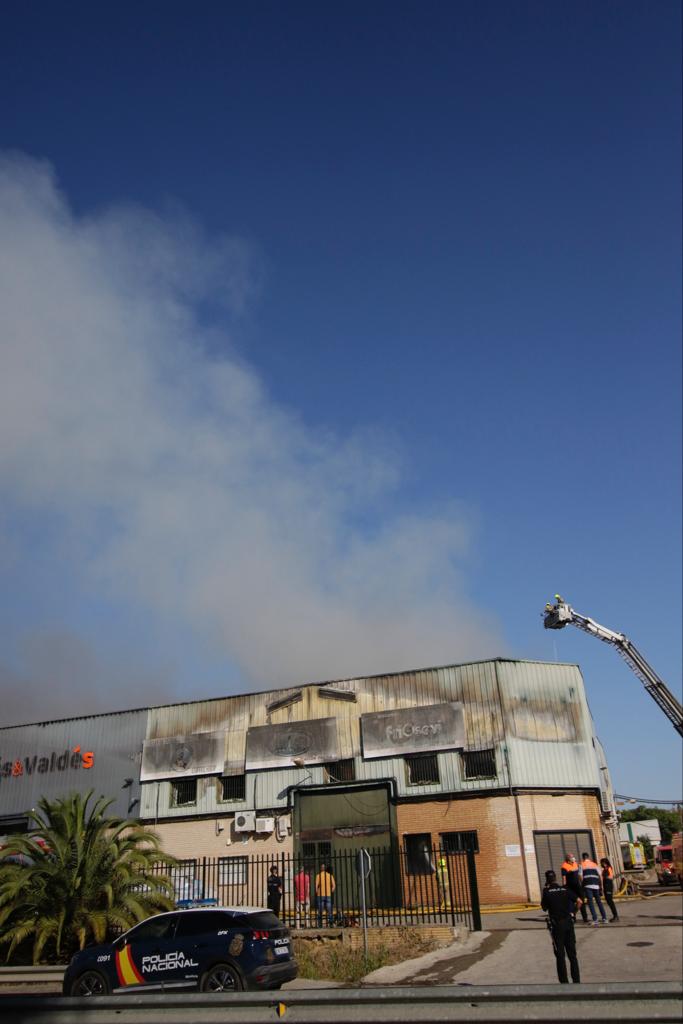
x: 293, y: 686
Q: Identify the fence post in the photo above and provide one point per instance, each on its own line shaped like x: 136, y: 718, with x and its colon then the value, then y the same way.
x: 285, y: 889
x: 474, y: 891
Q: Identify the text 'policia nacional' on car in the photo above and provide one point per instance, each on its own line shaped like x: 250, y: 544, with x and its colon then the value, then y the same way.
x: 225, y: 949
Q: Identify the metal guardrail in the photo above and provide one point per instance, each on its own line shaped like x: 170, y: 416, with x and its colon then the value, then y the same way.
x: 30, y: 975
x: 505, y: 1004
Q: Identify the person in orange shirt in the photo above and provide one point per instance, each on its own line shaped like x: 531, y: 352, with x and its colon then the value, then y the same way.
x: 324, y: 889
x: 608, y: 886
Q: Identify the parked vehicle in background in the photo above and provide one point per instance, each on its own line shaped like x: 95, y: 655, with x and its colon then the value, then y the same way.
x: 633, y: 855
x: 664, y: 865
x: 677, y: 854
x: 227, y: 949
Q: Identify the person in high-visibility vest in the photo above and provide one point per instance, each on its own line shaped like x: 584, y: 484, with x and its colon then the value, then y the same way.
x: 591, y: 887
x: 443, y: 882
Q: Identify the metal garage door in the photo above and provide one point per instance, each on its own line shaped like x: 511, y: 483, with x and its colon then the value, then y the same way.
x: 552, y: 846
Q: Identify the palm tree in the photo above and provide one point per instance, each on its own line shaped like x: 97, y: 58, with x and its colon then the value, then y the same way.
x: 77, y: 876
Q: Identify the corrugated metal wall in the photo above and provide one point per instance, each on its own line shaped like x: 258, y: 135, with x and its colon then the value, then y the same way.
x: 548, y: 727
x: 115, y: 741
x: 533, y: 715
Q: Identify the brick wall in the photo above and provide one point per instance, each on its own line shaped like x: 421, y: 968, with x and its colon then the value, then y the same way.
x: 440, y: 935
x: 541, y: 812
x: 501, y: 878
x: 198, y: 838
x: 352, y: 938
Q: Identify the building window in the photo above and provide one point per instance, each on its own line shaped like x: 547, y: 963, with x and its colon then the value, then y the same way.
x: 479, y: 764
x: 340, y: 771
x: 233, y: 870
x: 185, y: 882
x: 419, y: 854
x: 233, y: 788
x: 422, y: 769
x: 459, y: 842
x: 183, y: 792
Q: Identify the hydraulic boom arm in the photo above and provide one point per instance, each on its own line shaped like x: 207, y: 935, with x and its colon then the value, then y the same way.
x: 561, y: 614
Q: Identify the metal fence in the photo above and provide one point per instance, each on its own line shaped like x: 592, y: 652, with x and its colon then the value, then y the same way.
x: 438, y: 887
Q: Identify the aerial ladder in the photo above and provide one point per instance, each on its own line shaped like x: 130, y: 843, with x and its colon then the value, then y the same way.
x: 561, y: 614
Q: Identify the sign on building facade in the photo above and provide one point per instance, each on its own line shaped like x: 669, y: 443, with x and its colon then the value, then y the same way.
x: 199, y: 753
x: 413, y: 730
x: 276, y: 746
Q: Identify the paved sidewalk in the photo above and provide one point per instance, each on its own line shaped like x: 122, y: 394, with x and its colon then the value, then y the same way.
x: 645, y: 945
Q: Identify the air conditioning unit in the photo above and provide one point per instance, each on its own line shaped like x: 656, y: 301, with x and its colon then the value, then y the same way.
x: 265, y: 824
x: 284, y: 823
x: 245, y: 821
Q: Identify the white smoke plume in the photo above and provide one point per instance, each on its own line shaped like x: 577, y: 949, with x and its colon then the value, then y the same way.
x: 180, y: 486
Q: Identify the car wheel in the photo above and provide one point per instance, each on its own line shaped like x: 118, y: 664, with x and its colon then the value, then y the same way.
x: 221, y: 978
x: 91, y: 983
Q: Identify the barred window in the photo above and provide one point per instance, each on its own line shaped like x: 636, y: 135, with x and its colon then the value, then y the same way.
x: 340, y: 771
x: 479, y: 764
x: 233, y: 787
x: 183, y: 792
x: 419, y: 859
x: 422, y: 769
x: 458, y: 842
x: 233, y: 870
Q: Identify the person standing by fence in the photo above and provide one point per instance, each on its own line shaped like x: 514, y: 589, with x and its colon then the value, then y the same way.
x: 443, y: 881
x: 324, y: 890
x: 608, y: 886
x: 274, y: 890
x: 302, y: 895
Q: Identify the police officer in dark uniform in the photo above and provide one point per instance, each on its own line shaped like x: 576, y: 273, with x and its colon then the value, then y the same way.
x: 560, y: 904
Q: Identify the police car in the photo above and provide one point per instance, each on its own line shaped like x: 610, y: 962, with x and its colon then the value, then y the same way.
x: 226, y: 949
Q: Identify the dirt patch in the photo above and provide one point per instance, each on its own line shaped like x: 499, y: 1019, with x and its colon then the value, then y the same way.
x: 333, y: 961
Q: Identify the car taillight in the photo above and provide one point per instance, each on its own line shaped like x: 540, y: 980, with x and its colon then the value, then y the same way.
x: 259, y: 935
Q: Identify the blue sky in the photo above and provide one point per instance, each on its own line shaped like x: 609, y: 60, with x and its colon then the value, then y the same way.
x: 338, y: 338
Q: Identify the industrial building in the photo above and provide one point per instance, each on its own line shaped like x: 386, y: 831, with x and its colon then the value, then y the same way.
x: 499, y: 757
